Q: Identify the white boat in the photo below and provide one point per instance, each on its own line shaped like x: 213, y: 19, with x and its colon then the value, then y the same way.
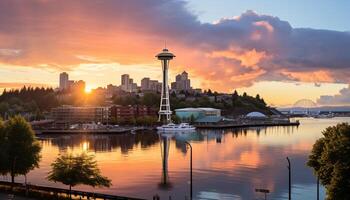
x: 176, y: 127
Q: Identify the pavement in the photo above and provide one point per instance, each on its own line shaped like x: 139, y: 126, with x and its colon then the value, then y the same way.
x: 4, y: 196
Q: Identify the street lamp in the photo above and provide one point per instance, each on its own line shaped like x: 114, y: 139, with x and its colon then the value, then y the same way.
x: 289, y: 181
x: 191, y: 189
x: 318, y: 188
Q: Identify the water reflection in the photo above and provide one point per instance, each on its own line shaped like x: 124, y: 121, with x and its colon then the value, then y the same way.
x: 103, y: 142
x: 164, y: 149
x: 227, y: 164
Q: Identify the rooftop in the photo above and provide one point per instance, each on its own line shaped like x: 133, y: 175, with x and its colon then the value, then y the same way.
x: 195, y: 109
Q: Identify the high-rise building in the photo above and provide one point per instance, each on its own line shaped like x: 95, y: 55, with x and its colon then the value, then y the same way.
x: 125, y: 82
x: 78, y: 86
x: 128, y: 84
x: 64, y: 81
x: 145, y: 84
x: 182, y: 82
x: 150, y: 85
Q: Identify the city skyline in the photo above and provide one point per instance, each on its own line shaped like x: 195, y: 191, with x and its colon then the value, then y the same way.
x: 266, y: 51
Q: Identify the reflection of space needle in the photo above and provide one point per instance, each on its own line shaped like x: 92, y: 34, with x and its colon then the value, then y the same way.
x: 164, y: 146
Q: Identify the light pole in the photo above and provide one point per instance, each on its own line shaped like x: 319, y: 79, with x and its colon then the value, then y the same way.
x: 191, y: 189
x: 289, y: 180
x: 318, y: 188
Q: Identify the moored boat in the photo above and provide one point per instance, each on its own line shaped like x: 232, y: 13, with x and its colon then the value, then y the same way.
x: 176, y: 127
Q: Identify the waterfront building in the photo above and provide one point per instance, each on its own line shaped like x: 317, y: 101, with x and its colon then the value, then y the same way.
x: 121, y: 112
x: 182, y: 82
x: 197, y: 113
x: 164, y: 110
x: 72, y: 114
x: 128, y: 112
x: 64, y: 81
x: 256, y: 115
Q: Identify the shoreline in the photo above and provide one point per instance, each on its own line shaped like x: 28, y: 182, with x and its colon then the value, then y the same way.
x: 245, y: 125
x: 124, y: 130
x: 43, y: 192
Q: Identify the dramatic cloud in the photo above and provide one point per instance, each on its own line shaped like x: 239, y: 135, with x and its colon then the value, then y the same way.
x: 229, y: 53
x: 343, y: 98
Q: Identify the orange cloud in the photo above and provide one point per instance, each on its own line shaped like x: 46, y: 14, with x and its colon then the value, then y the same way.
x: 247, y: 58
x: 231, y: 53
x: 315, y: 76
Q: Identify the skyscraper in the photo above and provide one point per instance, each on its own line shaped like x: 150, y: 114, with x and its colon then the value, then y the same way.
x: 64, y: 81
x: 164, y: 110
x: 145, y: 83
x: 182, y: 82
x: 125, y: 82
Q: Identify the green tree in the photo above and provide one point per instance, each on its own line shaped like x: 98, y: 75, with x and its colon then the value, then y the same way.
x: 77, y: 170
x: 20, y: 148
x: 176, y: 119
x: 331, y: 162
x: 150, y: 99
x: 3, y: 150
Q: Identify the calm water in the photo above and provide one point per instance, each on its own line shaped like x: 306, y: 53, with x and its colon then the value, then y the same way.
x: 227, y: 164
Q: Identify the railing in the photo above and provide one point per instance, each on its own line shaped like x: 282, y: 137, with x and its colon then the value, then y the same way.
x: 56, y: 191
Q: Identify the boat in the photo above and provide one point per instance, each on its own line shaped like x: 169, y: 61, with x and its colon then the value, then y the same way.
x: 324, y: 116
x: 176, y: 127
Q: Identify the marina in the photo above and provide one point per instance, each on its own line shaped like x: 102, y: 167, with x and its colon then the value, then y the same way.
x: 90, y: 131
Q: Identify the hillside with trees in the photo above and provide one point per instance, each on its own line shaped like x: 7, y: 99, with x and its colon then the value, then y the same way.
x: 230, y: 104
x: 33, y: 103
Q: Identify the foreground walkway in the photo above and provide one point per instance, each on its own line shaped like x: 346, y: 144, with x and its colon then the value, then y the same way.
x: 4, y: 196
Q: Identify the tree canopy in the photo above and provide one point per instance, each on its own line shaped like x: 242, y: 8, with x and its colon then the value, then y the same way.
x: 75, y: 170
x: 19, y: 149
x: 330, y: 159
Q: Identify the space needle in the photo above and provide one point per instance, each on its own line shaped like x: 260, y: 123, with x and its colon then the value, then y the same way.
x: 164, y: 109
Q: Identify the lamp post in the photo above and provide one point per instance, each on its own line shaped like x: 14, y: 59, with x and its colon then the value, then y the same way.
x: 191, y: 186
x: 318, y: 188
x: 289, y: 180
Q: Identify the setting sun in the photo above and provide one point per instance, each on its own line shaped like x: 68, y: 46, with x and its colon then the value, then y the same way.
x: 88, y: 89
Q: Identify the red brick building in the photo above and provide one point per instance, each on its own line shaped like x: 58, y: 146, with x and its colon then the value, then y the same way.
x: 128, y: 112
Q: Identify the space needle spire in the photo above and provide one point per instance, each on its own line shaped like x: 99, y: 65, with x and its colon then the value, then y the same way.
x: 164, y: 109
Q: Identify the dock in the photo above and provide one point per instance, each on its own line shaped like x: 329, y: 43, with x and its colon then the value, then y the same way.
x: 245, y: 125
x: 89, y: 131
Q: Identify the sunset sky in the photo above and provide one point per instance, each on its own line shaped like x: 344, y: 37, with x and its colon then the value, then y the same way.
x: 285, y: 51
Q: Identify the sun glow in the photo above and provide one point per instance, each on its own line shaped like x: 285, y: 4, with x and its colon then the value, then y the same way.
x: 88, y: 89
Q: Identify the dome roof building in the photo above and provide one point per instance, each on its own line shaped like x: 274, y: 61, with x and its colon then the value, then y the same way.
x: 256, y: 115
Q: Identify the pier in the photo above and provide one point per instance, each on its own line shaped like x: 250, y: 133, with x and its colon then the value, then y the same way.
x: 245, y: 125
x: 79, y: 131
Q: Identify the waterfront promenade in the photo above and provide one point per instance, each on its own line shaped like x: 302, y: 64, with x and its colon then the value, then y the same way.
x: 52, y: 192
x: 4, y: 196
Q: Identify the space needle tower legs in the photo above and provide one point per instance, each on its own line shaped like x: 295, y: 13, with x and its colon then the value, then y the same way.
x: 164, y: 109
